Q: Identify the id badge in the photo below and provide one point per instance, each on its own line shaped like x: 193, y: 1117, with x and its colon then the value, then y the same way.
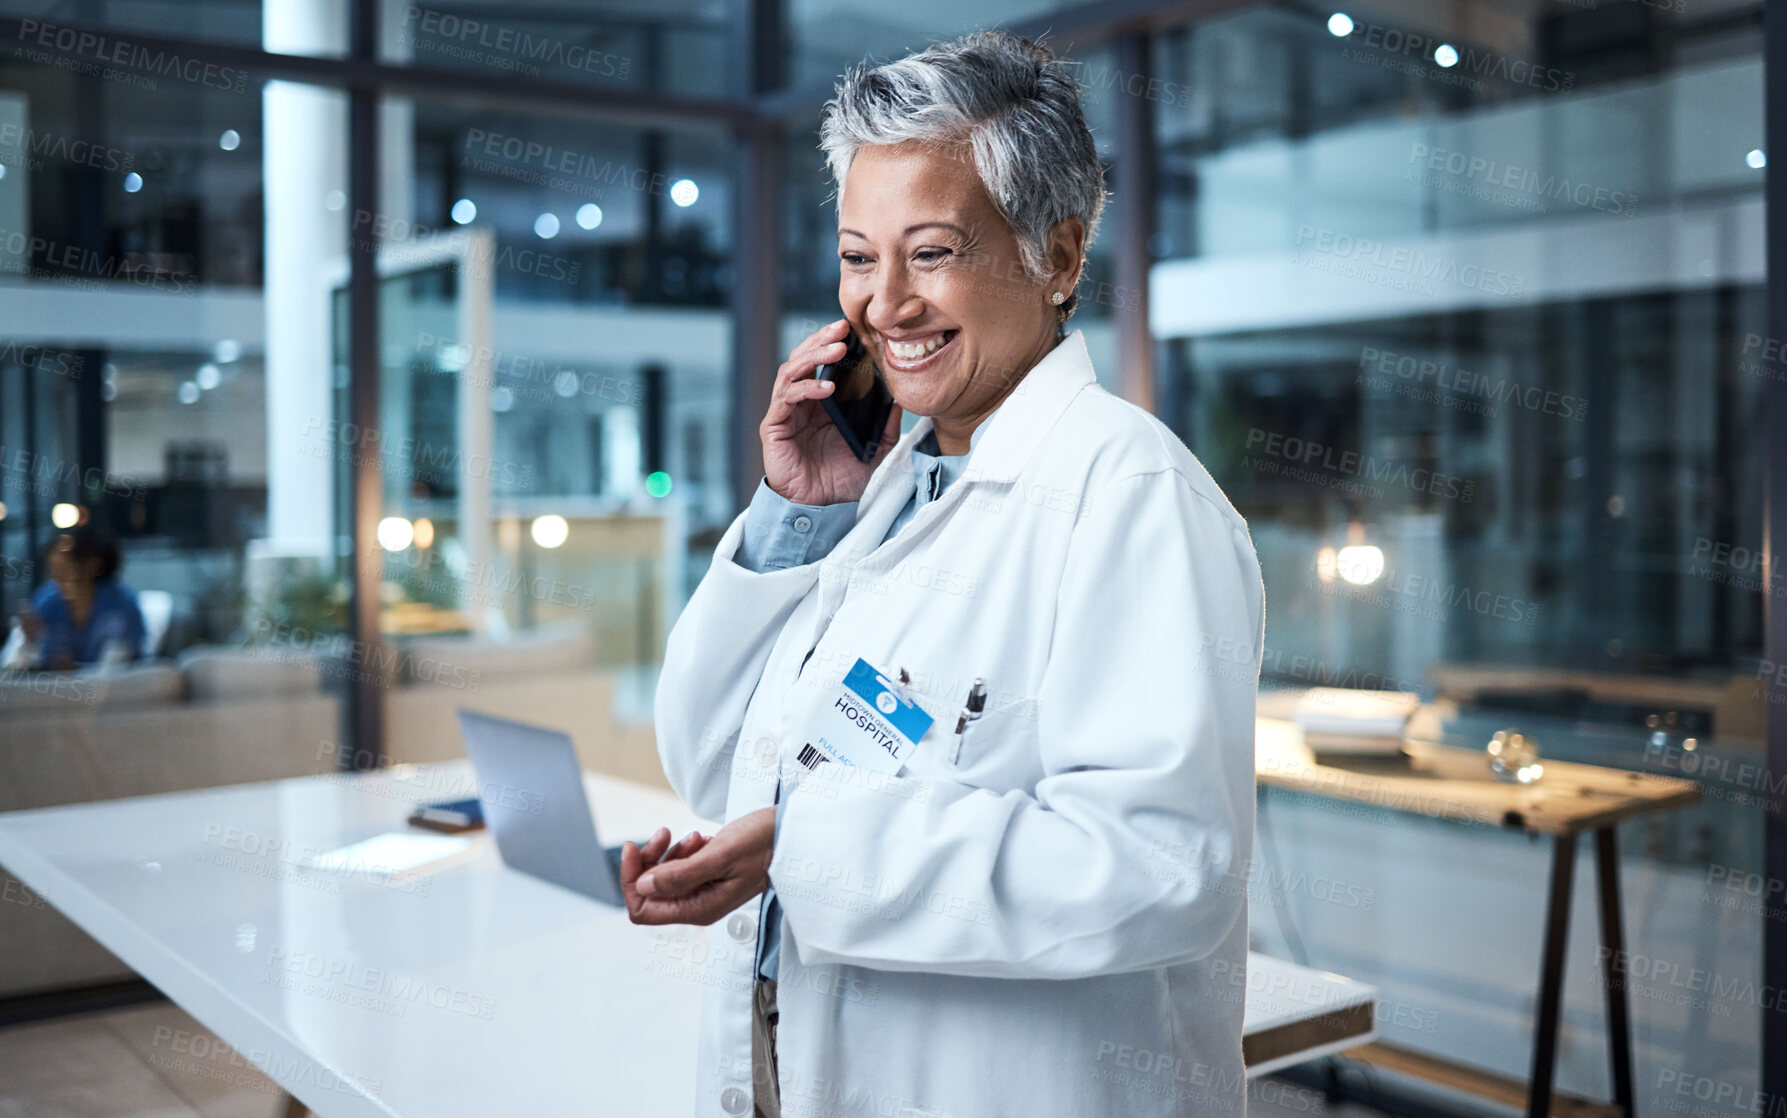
x: 867, y: 723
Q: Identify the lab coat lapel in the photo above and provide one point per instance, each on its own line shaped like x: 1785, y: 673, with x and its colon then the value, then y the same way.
x: 886, y: 494
x: 1013, y: 433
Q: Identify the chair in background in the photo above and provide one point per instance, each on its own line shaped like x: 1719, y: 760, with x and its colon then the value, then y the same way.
x: 158, y: 612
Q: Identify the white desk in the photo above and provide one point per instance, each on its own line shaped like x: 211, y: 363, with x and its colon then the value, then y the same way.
x: 475, y: 990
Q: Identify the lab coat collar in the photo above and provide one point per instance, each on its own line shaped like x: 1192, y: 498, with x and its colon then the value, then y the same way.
x: 1018, y: 425
x: 1001, y: 446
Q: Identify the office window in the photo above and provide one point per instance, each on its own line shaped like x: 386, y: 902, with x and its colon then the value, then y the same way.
x: 684, y: 48
x: 825, y: 37
x: 695, y: 452
x: 556, y: 296
x: 1476, y: 347
x: 135, y: 262
x: 138, y: 41
x: 167, y: 256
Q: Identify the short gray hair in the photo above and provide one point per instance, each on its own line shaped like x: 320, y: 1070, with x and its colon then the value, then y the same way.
x: 1011, y: 100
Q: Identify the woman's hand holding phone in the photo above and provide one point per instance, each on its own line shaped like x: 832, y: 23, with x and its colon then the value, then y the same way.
x: 805, y: 457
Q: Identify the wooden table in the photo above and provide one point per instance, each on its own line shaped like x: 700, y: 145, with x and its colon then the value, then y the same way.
x: 1452, y: 783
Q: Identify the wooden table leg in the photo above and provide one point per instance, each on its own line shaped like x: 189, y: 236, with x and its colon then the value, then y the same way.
x: 1551, y: 980
x: 1613, y: 965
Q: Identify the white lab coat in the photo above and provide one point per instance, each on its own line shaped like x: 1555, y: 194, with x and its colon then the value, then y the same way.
x: 1047, y: 914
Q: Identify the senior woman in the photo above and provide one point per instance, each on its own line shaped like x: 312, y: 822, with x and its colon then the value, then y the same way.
x: 1018, y: 888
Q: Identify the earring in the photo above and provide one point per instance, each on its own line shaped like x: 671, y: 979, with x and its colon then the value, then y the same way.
x: 1057, y: 298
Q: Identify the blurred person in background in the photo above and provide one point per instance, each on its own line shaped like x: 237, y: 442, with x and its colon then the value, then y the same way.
x: 85, y: 614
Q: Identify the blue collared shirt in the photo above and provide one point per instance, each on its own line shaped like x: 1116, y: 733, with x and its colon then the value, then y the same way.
x: 781, y: 534
x: 114, y: 619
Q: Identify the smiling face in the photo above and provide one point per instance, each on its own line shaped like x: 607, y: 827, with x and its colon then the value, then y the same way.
x: 931, y: 280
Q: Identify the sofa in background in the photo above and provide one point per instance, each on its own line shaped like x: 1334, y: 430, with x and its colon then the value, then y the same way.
x: 544, y: 676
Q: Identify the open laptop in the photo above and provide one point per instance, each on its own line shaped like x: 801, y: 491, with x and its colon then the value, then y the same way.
x: 530, y: 788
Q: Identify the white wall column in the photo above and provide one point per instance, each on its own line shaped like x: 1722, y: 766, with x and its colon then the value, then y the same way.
x: 305, y: 190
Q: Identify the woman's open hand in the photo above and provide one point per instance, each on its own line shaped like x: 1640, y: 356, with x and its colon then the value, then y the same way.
x: 701, y: 879
x: 805, y: 457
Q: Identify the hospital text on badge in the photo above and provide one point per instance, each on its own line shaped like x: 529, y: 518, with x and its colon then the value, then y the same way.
x: 867, y: 724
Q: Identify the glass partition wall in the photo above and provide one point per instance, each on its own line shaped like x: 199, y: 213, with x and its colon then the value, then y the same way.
x: 182, y: 371
x: 1467, y: 319
x: 401, y: 348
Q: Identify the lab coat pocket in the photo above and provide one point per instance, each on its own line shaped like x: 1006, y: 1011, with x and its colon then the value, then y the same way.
x: 974, y: 742
x: 1001, y: 749
x: 953, y: 744
x: 945, y: 746
x: 998, y: 742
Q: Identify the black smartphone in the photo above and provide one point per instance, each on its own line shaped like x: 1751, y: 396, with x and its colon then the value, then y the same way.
x: 452, y: 817
x: 860, y: 404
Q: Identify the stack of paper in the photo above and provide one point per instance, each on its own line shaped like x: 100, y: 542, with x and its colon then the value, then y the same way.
x: 1338, y: 720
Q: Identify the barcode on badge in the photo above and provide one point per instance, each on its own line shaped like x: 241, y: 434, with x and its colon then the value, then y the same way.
x: 811, y: 757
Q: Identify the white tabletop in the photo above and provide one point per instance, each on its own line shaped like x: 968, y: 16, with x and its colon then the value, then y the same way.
x: 471, y: 989
x: 476, y: 990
